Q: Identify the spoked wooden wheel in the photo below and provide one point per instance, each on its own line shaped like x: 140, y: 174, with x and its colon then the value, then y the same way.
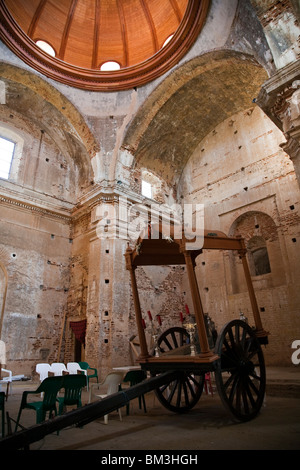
x: 173, y: 338
x: 181, y: 394
x: 240, y: 375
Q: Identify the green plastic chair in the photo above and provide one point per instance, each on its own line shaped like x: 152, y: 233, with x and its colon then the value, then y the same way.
x: 2, y: 408
x: 134, y: 377
x: 72, y: 385
x: 94, y: 374
x: 49, y: 388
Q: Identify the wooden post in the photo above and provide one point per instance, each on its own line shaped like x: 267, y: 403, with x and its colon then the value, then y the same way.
x: 138, y: 313
x: 61, y: 336
x: 4, y: 297
x: 198, y: 309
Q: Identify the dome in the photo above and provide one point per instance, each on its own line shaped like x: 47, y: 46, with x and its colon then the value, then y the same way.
x: 101, y: 44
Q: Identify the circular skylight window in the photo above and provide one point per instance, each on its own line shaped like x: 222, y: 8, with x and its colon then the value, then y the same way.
x: 45, y: 46
x: 109, y: 66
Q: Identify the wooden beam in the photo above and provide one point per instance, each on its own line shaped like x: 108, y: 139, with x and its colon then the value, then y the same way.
x: 66, y: 32
x: 151, y: 26
x: 96, y: 35
x: 138, y: 313
x: 123, y: 33
x: 35, y: 18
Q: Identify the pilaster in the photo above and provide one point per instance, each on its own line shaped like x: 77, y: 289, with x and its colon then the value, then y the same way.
x: 280, y: 100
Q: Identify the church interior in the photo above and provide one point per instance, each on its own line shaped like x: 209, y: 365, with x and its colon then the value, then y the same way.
x: 110, y: 108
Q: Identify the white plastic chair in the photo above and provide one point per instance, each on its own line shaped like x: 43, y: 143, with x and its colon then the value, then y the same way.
x: 74, y: 368
x: 42, y: 369
x: 111, y: 384
x: 7, y: 381
x: 57, y: 368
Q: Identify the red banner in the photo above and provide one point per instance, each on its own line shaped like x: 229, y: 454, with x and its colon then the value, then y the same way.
x: 79, y: 329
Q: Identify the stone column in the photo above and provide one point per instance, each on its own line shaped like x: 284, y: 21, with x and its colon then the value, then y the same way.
x: 107, y: 342
x: 289, y: 113
x: 280, y: 100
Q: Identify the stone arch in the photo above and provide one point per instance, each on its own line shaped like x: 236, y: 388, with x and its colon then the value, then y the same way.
x: 77, y: 126
x: 51, y: 110
x: 31, y: 101
x: 187, y: 105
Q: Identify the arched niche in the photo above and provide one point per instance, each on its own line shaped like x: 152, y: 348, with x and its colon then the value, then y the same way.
x: 262, y: 240
x: 258, y: 256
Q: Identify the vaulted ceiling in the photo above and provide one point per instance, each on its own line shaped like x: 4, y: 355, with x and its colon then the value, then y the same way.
x: 188, y: 105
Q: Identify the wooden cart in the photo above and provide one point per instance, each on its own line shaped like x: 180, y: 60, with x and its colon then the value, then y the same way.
x: 177, y: 372
x: 235, y: 356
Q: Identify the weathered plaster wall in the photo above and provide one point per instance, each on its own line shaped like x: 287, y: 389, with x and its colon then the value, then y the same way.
x: 37, y: 252
x: 280, y: 21
x: 248, y: 186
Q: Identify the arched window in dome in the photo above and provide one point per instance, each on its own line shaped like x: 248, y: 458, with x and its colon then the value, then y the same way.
x: 154, y: 187
x: 6, y: 155
x: 11, y: 150
x: 146, y: 189
x: 110, y: 66
x: 46, y: 47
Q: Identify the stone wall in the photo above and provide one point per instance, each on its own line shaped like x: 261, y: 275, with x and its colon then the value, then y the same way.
x: 35, y: 253
x: 248, y: 187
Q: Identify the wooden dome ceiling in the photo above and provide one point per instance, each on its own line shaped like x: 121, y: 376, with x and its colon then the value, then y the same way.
x: 85, y: 34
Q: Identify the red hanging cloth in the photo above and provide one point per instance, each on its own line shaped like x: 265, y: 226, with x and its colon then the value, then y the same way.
x: 79, y: 329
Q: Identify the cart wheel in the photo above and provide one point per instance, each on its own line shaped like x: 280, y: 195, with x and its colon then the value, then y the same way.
x: 172, y: 338
x: 240, y: 375
x: 182, y: 394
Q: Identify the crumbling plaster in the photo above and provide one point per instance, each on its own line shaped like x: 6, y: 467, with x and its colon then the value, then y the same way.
x: 280, y: 21
x: 61, y: 267
x: 240, y: 173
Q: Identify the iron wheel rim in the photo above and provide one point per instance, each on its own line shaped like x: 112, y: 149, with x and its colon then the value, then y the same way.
x: 240, y: 374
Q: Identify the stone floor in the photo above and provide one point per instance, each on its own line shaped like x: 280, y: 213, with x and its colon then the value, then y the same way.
x: 208, y: 426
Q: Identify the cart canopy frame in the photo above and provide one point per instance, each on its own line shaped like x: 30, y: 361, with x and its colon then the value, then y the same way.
x: 167, y: 245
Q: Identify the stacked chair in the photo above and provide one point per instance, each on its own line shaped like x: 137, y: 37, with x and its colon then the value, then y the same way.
x: 49, y: 389
x: 90, y: 375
